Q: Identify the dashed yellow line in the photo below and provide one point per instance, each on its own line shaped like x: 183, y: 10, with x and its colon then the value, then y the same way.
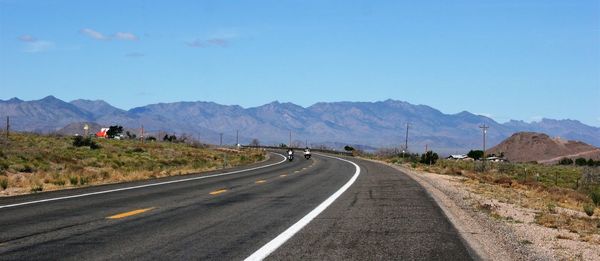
x: 217, y: 192
x: 260, y: 181
x: 130, y: 213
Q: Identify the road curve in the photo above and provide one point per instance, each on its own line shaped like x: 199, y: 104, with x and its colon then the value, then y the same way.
x: 383, y: 215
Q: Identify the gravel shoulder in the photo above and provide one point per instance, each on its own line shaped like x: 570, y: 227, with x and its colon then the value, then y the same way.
x: 501, y: 231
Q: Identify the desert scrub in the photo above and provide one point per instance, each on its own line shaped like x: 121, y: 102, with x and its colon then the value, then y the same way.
x: 4, y: 183
x: 589, y: 209
x: 55, y: 160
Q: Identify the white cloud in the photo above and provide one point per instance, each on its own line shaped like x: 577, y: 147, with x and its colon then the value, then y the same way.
x: 126, y: 36
x: 38, y: 46
x: 93, y: 34
x: 27, y: 38
x: 199, y: 43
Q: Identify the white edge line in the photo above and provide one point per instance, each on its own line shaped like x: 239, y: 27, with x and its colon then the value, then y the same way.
x: 142, y: 186
x: 275, y: 243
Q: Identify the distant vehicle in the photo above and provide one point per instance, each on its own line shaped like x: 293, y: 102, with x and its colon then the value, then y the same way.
x: 290, y: 153
x: 307, y: 153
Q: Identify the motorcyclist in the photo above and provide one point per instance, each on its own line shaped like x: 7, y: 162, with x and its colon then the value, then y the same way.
x: 290, y: 153
x: 307, y: 153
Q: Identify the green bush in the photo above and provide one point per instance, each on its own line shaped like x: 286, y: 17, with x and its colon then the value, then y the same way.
x: 73, y: 180
x: 4, y: 183
x: 589, y: 209
x: 84, y: 180
x: 59, y: 182
x: 595, y: 195
x: 580, y: 162
x: 429, y: 158
x: 551, y: 207
x: 565, y: 161
x: 79, y: 141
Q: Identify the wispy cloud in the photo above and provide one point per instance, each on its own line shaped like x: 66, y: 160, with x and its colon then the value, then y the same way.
x: 93, y: 34
x: 27, y: 38
x: 38, y: 46
x: 222, y: 38
x: 125, y: 36
x: 200, y: 43
x: 34, y: 45
x: 134, y: 55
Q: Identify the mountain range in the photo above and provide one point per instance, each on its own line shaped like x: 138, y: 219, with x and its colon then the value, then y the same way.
x: 369, y: 124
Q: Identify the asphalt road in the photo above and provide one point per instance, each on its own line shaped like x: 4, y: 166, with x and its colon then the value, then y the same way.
x: 384, y: 215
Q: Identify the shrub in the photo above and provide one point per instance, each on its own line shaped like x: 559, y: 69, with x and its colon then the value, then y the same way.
x: 551, y: 207
x: 595, y: 195
x: 4, y: 183
x: 429, y: 158
x: 84, y: 180
x: 589, y: 209
x: 79, y: 141
x: 565, y: 161
x: 580, y: 162
x: 73, y: 180
x: 59, y: 182
x: 37, y: 188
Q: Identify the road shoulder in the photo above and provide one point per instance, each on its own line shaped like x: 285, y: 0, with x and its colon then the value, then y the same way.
x: 497, y: 230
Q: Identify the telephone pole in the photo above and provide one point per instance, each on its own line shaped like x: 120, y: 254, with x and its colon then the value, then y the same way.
x: 7, y: 126
x: 221, y: 139
x: 237, y: 137
x: 406, y: 140
x: 290, y: 144
x: 484, y: 130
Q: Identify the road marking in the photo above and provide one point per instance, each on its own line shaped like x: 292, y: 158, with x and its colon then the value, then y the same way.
x: 217, y: 192
x: 260, y: 181
x: 130, y: 213
x: 283, y: 175
x: 142, y: 186
x: 267, y: 249
x: 296, y: 171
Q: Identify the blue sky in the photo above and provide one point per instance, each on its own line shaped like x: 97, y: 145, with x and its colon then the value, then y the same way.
x: 506, y: 59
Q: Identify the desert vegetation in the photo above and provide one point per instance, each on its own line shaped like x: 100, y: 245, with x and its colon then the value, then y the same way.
x: 34, y: 163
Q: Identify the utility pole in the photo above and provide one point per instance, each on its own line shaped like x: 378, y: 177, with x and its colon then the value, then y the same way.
x: 142, y: 133
x: 237, y: 137
x: 221, y: 139
x: 290, y: 144
x: 405, y: 141
x: 7, y: 127
x: 484, y: 129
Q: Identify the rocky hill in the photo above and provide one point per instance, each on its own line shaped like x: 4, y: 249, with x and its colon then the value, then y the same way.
x: 534, y: 146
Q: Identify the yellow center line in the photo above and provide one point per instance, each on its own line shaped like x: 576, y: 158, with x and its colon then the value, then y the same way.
x: 217, y: 192
x: 260, y: 181
x: 130, y: 213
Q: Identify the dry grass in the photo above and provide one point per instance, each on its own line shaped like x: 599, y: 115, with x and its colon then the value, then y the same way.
x: 31, y: 163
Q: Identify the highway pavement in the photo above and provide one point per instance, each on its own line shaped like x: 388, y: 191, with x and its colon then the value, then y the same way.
x: 233, y: 214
